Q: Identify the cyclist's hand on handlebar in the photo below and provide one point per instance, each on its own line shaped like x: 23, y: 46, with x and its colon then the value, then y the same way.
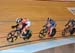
x: 65, y: 25
x: 44, y: 26
x: 12, y: 26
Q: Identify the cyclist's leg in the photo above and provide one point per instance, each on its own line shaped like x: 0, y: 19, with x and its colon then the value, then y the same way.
x: 50, y: 29
x: 23, y: 26
x: 26, y: 28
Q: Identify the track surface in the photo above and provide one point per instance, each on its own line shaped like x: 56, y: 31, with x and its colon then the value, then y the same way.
x: 36, y: 11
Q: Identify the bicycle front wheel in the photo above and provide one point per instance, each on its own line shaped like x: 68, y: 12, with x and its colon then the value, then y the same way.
x: 12, y: 36
x: 42, y: 33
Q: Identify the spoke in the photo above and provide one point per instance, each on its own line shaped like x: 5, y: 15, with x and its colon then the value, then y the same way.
x: 12, y: 40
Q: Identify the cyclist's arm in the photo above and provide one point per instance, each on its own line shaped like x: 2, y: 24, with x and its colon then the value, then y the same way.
x: 15, y: 26
x: 45, y: 24
x: 67, y: 23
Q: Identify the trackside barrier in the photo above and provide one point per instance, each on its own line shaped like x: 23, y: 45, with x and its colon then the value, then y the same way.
x: 34, y: 48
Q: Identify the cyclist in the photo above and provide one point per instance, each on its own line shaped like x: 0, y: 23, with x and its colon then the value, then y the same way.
x: 71, y: 23
x: 51, y: 24
x: 25, y: 22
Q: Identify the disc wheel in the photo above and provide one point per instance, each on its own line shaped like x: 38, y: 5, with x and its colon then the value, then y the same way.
x: 72, y: 31
x: 27, y: 35
x: 53, y: 32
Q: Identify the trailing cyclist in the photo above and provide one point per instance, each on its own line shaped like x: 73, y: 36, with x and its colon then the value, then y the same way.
x: 51, y: 24
x: 71, y: 23
x: 69, y: 27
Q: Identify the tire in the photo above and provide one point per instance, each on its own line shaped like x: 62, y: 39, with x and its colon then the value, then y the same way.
x: 53, y: 32
x: 42, y: 33
x: 27, y: 35
x: 72, y: 31
x: 12, y: 36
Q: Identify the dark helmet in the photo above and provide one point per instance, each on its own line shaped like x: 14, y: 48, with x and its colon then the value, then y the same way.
x: 49, y: 19
x: 18, y: 20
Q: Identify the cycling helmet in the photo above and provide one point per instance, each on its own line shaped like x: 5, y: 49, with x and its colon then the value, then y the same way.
x: 18, y: 20
x: 49, y: 19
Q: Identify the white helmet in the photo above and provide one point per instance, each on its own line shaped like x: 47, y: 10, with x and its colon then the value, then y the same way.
x: 18, y: 20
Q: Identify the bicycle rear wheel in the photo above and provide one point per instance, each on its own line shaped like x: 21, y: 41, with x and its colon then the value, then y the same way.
x: 72, y: 31
x: 53, y: 32
x: 27, y: 35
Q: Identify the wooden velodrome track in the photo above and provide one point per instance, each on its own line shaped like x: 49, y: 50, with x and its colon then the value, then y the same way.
x: 36, y: 11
